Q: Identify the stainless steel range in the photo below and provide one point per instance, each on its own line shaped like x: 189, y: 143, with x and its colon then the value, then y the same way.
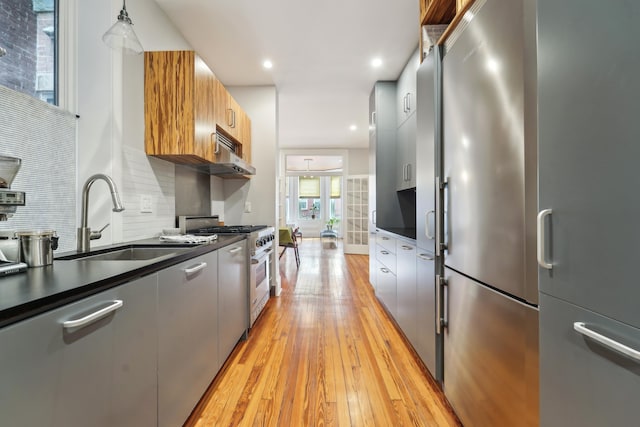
x: 260, y: 240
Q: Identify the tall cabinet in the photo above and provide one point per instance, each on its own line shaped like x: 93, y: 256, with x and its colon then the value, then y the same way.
x: 589, y: 133
x: 384, y: 207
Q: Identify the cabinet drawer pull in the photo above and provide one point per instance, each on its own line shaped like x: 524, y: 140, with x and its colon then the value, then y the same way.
x: 606, y: 341
x: 426, y: 224
x: 93, y: 316
x: 234, y: 250
x: 407, y: 248
x: 384, y: 252
x: 189, y: 271
x: 385, y: 270
x: 425, y: 257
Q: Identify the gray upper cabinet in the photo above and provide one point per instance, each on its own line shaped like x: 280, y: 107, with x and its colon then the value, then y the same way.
x: 406, y: 105
x: 384, y: 206
x: 233, y: 307
x: 406, y: 90
x: 589, y: 133
x: 406, y: 164
x: 589, y: 144
x: 188, y: 336
x: 100, y: 372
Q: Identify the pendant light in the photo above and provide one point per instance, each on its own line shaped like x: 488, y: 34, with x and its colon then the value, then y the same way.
x: 121, y: 34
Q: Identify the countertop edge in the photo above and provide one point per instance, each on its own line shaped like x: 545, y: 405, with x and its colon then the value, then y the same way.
x: 34, y: 307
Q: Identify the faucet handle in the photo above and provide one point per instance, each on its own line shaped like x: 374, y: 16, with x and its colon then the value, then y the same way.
x: 98, y: 234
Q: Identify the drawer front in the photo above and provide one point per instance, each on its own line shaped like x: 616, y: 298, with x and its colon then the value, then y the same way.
x: 387, y: 242
x: 582, y: 382
x: 387, y: 258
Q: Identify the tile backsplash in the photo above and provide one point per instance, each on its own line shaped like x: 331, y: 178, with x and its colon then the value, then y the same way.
x: 44, y: 137
x: 144, y: 176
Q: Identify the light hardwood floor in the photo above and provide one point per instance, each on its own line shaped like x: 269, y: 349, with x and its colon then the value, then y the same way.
x: 323, y: 354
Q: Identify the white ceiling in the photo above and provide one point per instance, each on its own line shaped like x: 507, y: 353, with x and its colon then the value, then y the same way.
x: 321, y: 51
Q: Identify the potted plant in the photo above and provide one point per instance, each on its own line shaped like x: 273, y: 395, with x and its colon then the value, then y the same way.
x: 314, y: 209
x: 332, y: 221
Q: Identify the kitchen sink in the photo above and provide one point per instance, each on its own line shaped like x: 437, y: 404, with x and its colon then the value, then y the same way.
x: 130, y: 253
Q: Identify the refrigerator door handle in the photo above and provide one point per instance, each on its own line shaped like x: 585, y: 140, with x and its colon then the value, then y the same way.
x: 606, y: 341
x: 441, y: 245
x: 541, y: 239
x: 441, y: 322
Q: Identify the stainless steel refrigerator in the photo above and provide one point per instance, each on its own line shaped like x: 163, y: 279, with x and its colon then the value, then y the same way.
x: 487, y: 216
x: 589, y: 156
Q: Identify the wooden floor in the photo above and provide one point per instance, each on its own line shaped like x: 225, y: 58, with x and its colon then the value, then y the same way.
x: 323, y: 354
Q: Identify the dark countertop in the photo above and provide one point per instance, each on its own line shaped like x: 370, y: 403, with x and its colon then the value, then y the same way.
x: 41, y: 289
x: 408, y: 233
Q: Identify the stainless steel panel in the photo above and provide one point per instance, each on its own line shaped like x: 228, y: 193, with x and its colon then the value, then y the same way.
x: 193, y: 196
x: 490, y: 355
x: 589, y: 135
x: 426, y: 339
x: 406, y: 303
x: 425, y: 153
x: 484, y: 149
x: 582, y: 382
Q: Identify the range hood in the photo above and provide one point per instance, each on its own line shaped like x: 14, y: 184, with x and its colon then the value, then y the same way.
x: 227, y: 162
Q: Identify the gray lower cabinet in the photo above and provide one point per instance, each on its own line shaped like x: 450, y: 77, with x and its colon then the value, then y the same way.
x: 101, y: 372
x: 386, y: 282
x: 426, y: 343
x: 406, y: 302
x: 585, y: 383
x: 233, y: 307
x: 386, y: 288
x: 187, y: 336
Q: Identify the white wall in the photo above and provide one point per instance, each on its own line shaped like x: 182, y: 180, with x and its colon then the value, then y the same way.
x: 359, y: 161
x: 110, y: 102
x: 260, y: 103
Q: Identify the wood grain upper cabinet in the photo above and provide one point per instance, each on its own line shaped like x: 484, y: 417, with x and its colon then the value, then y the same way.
x: 179, y: 108
x: 232, y: 120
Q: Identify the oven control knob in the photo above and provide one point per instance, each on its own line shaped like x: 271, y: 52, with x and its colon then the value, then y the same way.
x: 259, y: 242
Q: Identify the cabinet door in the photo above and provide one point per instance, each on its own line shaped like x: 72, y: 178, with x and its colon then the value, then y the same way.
x: 406, y: 290
x: 426, y: 151
x: 245, y: 135
x: 373, y: 263
x: 406, y: 91
x: 585, y: 383
x: 204, y: 110
x: 187, y: 336
x: 386, y: 288
x: 427, y: 343
x: 233, y: 299
x: 406, y: 166
x: 99, y: 374
x: 588, y: 154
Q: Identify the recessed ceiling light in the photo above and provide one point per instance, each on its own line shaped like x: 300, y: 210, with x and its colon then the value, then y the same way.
x: 376, y: 62
x: 267, y: 64
x: 353, y: 127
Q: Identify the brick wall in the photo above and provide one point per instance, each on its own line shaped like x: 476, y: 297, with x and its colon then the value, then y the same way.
x: 18, y: 35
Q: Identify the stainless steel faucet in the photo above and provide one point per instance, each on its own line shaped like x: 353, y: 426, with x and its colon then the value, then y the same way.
x: 85, y: 235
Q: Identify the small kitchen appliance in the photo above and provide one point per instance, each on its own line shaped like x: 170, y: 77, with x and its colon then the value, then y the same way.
x: 9, y: 199
x: 260, y: 242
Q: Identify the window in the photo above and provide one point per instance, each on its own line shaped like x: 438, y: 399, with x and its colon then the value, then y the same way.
x: 28, y: 47
x: 318, y: 199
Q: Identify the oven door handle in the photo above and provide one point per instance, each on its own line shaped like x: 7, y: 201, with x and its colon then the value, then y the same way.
x: 262, y: 257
